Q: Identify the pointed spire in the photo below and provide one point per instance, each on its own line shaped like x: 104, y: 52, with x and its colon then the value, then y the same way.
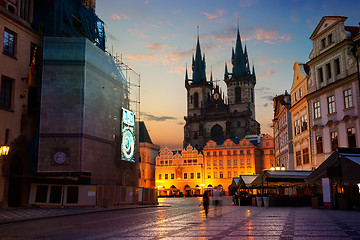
x: 186, y: 74
x: 211, y: 77
x: 198, y: 63
x: 226, y: 72
x: 246, y: 60
x: 253, y: 71
x: 239, y: 59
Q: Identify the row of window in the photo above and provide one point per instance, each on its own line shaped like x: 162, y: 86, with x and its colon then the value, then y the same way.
x: 328, y: 70
x: 234, y: 152
x: 229, y: 174
x: 300, y: 125
x: 334, y: 140
x: 302, y: 159
x: 235, y: 162
x: 348, y: 103
x: 186, y: 161
x: 185, y: 176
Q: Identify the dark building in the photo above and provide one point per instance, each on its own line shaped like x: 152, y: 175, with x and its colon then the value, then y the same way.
x: 211, y: 115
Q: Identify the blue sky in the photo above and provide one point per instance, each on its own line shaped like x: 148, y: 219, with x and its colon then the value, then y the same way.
x: 158, y: 37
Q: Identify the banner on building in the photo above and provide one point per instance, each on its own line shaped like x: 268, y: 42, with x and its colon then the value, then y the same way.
x: 128, y: 135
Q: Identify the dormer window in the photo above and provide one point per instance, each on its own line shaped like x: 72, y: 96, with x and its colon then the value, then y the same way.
x: 330, y: 38
x: 323, y: 43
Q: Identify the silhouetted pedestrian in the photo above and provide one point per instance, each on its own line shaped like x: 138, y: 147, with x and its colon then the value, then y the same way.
x: 217, y: 198
x: 206, y: 202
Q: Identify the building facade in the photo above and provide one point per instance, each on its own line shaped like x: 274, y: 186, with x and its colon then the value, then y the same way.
x: 212, y: 116
x: 333, y: 88
x: 147, y: 161
x: 179, y: 173
x: 19, y: 97
x: 283, y: 134
x: 299, y: 116
x: 220, y: 162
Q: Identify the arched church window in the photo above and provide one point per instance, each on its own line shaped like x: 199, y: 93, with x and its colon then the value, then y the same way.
x: 238, y: 95
x: 216, y: 133
x: 196, y: 100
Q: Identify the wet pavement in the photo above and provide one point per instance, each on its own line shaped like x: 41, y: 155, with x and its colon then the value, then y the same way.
x: 184, y: 219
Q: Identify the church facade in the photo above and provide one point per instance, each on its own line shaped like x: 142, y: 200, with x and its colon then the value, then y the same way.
x: 210, y: 114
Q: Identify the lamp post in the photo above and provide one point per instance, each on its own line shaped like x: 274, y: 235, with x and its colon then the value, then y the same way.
x: 4, y: 150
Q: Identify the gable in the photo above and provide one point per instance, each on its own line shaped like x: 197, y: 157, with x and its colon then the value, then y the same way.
x: 326, y: 23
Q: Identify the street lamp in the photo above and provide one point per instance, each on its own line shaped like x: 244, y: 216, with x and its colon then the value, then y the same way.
x: 4, y: 150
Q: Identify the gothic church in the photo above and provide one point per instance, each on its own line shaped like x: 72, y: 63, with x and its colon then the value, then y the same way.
x: 211, y: 115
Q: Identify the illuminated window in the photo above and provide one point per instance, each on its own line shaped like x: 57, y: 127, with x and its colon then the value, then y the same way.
x: 185, y: 176
x: 348, y: 98
x: 198, y: 175
x: 351, y: 137
x: 235, y: 174
x: 208, y: 163
x: 229, y: 162
x: 304, y: 123
x: 209, y: 175
x: 229, y: 174
x: 9, y: 42
x: 215, y: 162
x: 331, y: 104
x: 208, y: 154
x: 220, y: 162
x: 221, y: 175
x: 298, y: 158
x: 235, y: 162
x: 160, y: 176
x: 215, y: 174
x: 235, y: 153
x: 319, y: 145
x: 334, y: 140
x: 317, y: 113
x: 241, y: 161
x: 192, y: 175
x: 172, y: 176
x: 248, y: 162
x: 271, y: 152
x: 306, y: 159
x: 248, y: 152
x: 220, y: 153
x: 228, y: 153
x: 300, y: 93
x: 214, y: 153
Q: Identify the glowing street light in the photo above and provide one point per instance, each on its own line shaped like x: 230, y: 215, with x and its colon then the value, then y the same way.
x: 4, y: 150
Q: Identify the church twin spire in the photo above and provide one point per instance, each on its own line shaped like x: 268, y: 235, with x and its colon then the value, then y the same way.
x: 239, y: 60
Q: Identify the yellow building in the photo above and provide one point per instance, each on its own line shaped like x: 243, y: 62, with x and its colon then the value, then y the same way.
x: 190, y: 173
x: 179, y: 173
x: 300, y: 115
x: 227, y: 159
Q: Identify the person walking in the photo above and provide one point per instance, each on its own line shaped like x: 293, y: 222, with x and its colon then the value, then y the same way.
x: 217, y: 198
x: 206, y: 202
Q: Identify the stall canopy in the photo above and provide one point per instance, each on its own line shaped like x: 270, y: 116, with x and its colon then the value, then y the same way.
x: 343, y: 163
x: 246, y: 180
x: 235, y: 183
x: 269, y: 178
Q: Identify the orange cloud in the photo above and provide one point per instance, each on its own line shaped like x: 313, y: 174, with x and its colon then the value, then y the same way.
x: 221, y: 12
x: 138, y: 33
x: 115, y: 16
x: 155, y: 46
x: 210, y: 16
x: 265, y: 76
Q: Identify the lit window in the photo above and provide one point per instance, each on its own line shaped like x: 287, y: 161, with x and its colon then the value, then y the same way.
x: 220, y: 153
x: 166, y: 176
x: 304, y: 123
x: 209, y: 175
x: 172, y: 176
x: 319, y: 145
x: 208, y: 163
x: 214, y: 153
x: 235, y: 162
x: 331, y: 104
x: 248, y: 152
x: 235, y: 152
x: 229, y: 162
x: 235, y: 173
x: 9, y: 42
x: 215, y: 162
x: 221, y: 175
x: 185, y: 176
x: 228, y: 153
x: 215, y: 174
x: 248, y: 162
x: 198, y: 175
x: 160, y: 176
x: 192, y: 175
x: 317, y: 109
x: 241, y: 161
x: 348, y: 98
x: 208, y: 154
x: 300, y: 93
x: 220, y: 162
x: 229, y: 174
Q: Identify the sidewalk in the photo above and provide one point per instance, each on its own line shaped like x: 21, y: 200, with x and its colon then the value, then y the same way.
x: 26, y: 214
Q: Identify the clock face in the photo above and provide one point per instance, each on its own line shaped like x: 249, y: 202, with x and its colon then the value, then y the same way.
x: 128, y: 145
x: 60, y: 157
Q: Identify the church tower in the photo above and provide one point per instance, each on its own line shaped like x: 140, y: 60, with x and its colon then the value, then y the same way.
x: 240, y: 91
x: 210, y: 116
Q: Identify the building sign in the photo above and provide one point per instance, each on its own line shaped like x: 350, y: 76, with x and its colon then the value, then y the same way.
x: 128, y: 135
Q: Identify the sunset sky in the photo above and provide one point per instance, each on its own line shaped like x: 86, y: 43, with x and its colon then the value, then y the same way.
x: 158, y: 37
